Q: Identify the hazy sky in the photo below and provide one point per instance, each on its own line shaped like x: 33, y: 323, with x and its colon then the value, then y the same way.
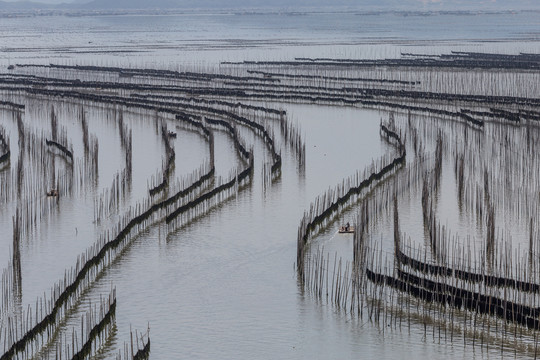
x: 329, y: 2
x: 411, y: 3
x: 45, y: 1
x: 51, y: 1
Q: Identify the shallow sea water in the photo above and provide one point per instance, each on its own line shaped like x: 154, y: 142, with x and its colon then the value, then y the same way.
x: 224, y: 286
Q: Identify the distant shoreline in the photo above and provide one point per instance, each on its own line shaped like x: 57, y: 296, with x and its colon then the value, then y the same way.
x: 25, y: 13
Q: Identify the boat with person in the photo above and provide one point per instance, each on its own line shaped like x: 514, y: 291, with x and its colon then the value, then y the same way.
x: 346, y: 229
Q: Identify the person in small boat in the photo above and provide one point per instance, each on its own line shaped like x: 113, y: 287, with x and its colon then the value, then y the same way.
x: 347, y: 226
x: 52, y: 192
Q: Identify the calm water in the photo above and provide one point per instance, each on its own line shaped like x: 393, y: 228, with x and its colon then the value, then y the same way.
x: 205, y: 39
x: 225, y: 286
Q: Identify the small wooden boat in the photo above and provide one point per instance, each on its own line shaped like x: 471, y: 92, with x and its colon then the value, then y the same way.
x: 171, y: 134
x: 52, y: 192
x: 346, y: 229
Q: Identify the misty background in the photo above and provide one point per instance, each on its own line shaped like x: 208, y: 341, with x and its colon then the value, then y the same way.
x: 384, y: 5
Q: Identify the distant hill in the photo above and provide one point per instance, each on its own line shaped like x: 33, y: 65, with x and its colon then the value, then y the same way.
x: 214, y: 4
x: 409, y: 5
x: 368, y: 4
x: 23, y: 5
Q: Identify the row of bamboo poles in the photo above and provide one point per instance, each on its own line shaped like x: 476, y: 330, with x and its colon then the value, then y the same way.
x: 482, y: 294
x: 185, y: 199
x: 180, y: 98
x: 330, y: 203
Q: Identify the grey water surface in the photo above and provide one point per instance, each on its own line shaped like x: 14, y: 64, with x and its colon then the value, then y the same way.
x: 225, y: 286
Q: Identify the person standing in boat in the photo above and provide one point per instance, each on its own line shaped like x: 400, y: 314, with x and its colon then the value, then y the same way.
x: 347, y: 226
